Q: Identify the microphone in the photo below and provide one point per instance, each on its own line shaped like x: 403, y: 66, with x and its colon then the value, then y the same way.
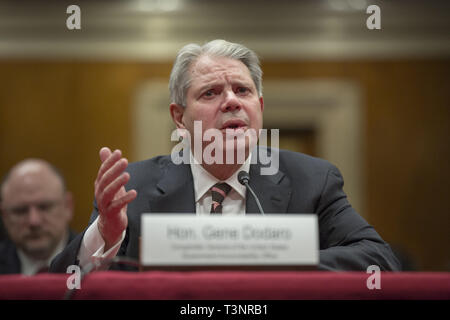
x: 244, y: 178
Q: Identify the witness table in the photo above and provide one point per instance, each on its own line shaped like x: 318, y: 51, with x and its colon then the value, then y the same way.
x: 230, y: 285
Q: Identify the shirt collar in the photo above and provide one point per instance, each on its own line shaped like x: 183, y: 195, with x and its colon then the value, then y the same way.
x: 203, y: 180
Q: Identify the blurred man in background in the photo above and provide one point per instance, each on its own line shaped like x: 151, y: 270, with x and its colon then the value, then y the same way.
x: 36, y: 210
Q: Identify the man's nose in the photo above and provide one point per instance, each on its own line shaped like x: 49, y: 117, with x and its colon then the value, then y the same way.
x: 34, y: 216
x: 231, y: 103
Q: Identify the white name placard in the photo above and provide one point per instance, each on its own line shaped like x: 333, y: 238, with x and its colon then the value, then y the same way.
x: 180, y: 240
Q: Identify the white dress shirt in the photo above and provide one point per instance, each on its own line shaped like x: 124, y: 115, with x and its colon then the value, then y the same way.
x: 92, y: 246
x: 234, y: 202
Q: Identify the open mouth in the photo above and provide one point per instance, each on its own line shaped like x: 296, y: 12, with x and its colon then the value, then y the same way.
x: 234, y: 125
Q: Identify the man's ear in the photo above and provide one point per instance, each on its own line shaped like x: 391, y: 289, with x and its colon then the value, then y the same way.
x: 261, y: 102
x: 177, y: 112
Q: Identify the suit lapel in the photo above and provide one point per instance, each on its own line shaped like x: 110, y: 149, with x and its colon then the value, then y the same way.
x: 273, y: 191
x: 174, y: 191
x: 9, y: 260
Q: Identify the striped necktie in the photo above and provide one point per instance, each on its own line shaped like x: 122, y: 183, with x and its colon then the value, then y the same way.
x: 218, y: 191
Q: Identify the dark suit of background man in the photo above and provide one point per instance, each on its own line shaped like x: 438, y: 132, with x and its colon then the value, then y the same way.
x: 219, y: 84
x: 36, y: 210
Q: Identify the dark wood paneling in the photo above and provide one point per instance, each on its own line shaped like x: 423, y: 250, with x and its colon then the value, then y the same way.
x: 65, y: 112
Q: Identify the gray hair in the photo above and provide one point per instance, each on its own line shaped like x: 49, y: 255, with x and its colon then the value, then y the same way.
x: 180, y: 77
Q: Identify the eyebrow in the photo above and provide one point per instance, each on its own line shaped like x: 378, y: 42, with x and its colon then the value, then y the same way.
x: 217, y: 84
x: 208, y: 86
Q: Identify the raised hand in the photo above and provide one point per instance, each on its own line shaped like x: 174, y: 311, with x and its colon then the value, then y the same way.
x: 112, y: 198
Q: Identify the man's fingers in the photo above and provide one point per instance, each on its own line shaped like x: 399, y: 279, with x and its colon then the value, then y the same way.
x: 105, y: 152
x: 109, y: 162
x: 113, y: 188
x: 112, y: 174
x: 111, y: 195
x: 118, y: 204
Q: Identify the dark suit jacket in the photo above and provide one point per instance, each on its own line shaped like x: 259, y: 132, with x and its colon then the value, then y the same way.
x: 9, y: 259
x: 303, y: 184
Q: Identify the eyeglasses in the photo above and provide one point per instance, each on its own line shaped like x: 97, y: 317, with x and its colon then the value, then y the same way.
x: 44, y: 208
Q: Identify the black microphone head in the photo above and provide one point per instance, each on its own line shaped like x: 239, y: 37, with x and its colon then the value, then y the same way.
x: 243, y: 177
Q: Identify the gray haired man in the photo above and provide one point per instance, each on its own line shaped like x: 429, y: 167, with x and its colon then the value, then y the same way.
x: 219, y: 86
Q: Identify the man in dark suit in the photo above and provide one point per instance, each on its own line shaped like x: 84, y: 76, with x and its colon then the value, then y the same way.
x: 216, y: 91
x: 36, y: 210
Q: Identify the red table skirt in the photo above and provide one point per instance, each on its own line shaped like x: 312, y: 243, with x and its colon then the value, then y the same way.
x: 230, y: 285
